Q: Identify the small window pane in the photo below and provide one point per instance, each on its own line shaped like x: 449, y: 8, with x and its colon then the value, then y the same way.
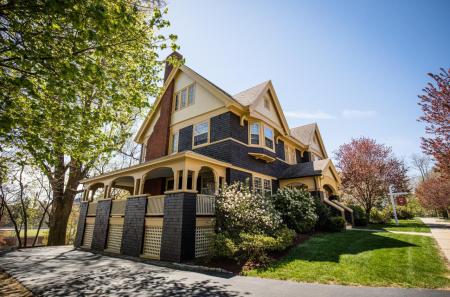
x: 175, y: 142
x: 267, y: 187
x: 183, y: 98
x: 191, y: 95
x: 268, y: 136
x: 201, y: 133
x: 177, y: 102
x: 257, y: 185
x: 254, y: 133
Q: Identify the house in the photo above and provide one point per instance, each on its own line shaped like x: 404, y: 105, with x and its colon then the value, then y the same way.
x: 196, y: 138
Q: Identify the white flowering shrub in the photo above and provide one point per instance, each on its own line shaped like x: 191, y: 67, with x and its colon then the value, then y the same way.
x: 240, y: 210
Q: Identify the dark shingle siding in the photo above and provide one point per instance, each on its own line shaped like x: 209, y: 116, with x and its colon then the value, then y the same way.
x: 185, y: 139
x: 133, y: 226
x: 220, y: 127
x: 101, y: 225
x: 81, y: 223
x: 279, y: 147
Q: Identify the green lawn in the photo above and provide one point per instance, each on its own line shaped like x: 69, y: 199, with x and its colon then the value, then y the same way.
x: 30, y: 233
x: 415, y: 225
x: 363, y: 258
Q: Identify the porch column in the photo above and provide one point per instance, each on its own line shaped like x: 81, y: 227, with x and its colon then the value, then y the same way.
x: 194, y: 180
x: 105, y: 191
x: 137, y: 185
x: 101, y: 225
x: 185, y: 178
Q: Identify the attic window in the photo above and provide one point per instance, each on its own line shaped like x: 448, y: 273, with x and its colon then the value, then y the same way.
x: 185, y: 97
x: 267, y: 104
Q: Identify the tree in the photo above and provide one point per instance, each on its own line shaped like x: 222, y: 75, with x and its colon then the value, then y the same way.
x: 435, y: 105
x: 367, y: 169
x: 75, y: 76
x: 434, y: 193
x: 423, y: 164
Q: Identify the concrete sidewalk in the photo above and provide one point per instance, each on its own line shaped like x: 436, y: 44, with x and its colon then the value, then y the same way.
x: 441, y: 232
x: 63, y: 271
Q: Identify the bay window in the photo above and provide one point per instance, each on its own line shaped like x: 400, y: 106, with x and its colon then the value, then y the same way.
x: 268, y: 137
x: 254, y: 133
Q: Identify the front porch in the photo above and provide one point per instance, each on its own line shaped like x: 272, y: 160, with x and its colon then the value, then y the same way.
x: 163, y: 209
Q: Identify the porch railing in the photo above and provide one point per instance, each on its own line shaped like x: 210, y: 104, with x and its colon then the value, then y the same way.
x: 92, y: 208
x: 155, y: 205
x: 206, y: 204
x: 118, y: 207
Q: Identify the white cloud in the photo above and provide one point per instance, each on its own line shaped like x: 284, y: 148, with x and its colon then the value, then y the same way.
x: 357, y: 114
x: 320, y: 115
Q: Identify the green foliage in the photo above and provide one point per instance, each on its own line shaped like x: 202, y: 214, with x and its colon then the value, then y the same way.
x: 359, y: 215
x: 240, y: 210
x: 297, y: 208
x: 224, y: 246
x: 284, y: 238
x: 336, y: 224
x: 323, y: 215
x: 380, y: 216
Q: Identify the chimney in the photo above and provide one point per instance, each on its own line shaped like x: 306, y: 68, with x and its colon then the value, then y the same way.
x: 169, y: 63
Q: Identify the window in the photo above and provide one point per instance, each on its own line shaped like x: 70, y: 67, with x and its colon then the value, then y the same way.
x: 191, y: 96
x: 185, y: 97
x: 254, y: 133
x: 201, y: 132
x: 268, y: 137
x: 267, y: 187
x: 174, y: 148
x: 262, y: 186
x: 257, y: 185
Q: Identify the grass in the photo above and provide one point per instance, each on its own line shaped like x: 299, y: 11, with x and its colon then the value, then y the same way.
x: 415, y: 225
x: 363, y: 258
x: 30, y: 233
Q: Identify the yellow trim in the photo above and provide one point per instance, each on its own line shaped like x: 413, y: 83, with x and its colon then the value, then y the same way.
x: 263, y: 157
x: 262, y: 136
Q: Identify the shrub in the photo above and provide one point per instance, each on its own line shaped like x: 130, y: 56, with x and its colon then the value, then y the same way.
x: 254, y: 247
x: 380, y: 216
x: 404, y: 213
x: 240, y: 210
x: 323, y: 215
x: 224, y: 246
x: 336, y: 224
x: 359, y: 215
x: 284, y: 238
x: 297, y: 209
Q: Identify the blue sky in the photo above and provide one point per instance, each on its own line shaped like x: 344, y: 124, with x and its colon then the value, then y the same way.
x: 354, y: 67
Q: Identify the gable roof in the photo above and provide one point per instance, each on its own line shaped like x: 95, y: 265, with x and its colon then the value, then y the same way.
x: 249, y: 96
x: 305, y: 134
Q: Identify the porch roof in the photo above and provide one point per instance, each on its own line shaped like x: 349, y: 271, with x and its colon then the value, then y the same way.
x: 315, y: 168
x: 162, y: 160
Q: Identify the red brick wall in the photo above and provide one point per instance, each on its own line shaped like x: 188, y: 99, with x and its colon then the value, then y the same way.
x: 158, y: 142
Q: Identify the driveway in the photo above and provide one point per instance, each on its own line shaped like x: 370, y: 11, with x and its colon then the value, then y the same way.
x: 63, y: 271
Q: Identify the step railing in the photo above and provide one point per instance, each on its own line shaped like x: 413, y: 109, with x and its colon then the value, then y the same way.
x: 206, y: 204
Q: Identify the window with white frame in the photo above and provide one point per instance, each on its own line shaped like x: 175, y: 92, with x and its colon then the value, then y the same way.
x: 262, y: 186
x: 201, y: 132
x: 175, y: 137
x: 254, y: 133
x: 268, y: 137
x: 185, y: 97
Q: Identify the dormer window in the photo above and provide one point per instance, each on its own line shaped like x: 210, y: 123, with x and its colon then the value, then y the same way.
x: 185, y: 97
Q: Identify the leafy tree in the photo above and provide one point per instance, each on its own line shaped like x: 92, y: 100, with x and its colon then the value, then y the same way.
x: 434, y: 193
x: 74, y: 76
x: 367, y: 170
x: 435, y: 105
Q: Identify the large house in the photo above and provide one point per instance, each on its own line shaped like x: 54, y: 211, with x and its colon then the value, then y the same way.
x: 196, y: 138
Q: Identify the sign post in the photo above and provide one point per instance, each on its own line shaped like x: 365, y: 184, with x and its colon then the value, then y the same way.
x: 392, y: 195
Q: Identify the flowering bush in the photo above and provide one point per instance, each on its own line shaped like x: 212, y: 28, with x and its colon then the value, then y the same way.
x: 240, y: 210
x: 297, y: 208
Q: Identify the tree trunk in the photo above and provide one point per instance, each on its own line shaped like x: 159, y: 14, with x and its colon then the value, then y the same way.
x: 62, y: 204
x: 368, y: 209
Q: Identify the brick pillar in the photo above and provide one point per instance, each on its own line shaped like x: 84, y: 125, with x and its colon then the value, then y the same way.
x: 101, y: 225
x: 81, y: 223
x: 133, y: 226
x: 178, y: 237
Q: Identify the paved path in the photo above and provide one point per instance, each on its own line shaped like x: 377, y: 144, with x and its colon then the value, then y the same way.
x: 395, y: 232
x: 62, y: 271
x: 441, y: 232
